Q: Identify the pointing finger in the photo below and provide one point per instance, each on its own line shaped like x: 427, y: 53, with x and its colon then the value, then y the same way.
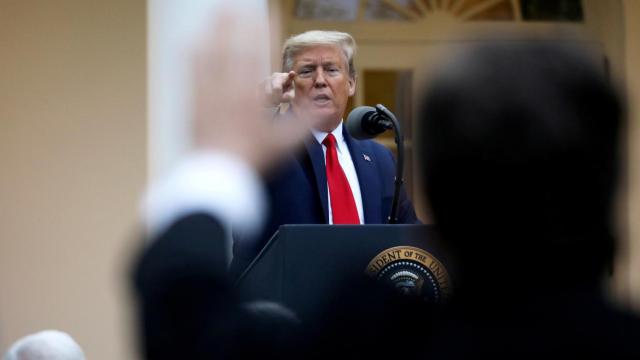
x: 290, y: 76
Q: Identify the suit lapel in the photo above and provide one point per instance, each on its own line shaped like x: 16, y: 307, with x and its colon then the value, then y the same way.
x: 367, y: 170
x: 316, y: 155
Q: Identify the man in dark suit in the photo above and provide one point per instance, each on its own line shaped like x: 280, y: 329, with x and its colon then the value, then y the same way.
x: 335, y: 179
x: 187, y: 305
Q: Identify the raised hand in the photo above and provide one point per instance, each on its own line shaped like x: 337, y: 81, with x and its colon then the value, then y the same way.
x: 278, y: 88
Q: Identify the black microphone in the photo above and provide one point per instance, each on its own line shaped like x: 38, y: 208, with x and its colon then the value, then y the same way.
x: 367, y: 122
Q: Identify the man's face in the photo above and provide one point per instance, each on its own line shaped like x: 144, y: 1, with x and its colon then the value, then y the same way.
x: 322, y: 85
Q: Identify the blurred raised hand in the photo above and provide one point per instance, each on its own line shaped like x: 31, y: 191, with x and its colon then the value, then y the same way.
x: 228, y: 61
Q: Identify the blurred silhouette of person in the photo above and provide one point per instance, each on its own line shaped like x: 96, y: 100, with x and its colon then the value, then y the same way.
x: 520, y: 150
x: 187, y: 308
x: 45, y: 345
x: 335, y: 179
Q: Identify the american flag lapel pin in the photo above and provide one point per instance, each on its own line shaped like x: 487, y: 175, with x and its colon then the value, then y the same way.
x: 366, y: 157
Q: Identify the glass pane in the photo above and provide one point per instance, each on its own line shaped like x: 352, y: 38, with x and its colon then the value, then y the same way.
x: 552, y: 10
x: 377, y: 10
x: 327, y: 10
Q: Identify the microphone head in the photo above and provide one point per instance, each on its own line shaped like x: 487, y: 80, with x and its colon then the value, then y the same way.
x: 357, y: 122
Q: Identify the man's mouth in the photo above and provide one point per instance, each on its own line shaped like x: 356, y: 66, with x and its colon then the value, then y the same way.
x: 321, y: 99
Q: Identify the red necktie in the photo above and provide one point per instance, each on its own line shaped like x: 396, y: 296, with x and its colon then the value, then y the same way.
x: 343, y: 207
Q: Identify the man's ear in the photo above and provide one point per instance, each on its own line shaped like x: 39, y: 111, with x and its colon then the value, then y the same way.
x: 352, y: 86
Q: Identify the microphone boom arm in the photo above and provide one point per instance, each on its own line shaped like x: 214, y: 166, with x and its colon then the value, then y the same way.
x: 399, y: 139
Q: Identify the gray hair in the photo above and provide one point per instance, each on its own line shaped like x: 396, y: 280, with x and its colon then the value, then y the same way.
x: 312, y: 38
x: 45, y: 345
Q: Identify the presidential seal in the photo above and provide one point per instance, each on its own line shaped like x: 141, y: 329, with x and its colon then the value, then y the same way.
x: 412, y: 271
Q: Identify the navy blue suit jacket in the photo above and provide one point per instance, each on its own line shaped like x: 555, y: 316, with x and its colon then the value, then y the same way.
x: 298, y: 192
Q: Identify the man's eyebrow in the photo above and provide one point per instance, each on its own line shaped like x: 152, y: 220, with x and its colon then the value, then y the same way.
x: 329, y: 62
x: 308, y: 60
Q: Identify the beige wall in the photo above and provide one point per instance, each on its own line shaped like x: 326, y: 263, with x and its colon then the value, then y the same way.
x: 72, y: 157
x: 631, y: 250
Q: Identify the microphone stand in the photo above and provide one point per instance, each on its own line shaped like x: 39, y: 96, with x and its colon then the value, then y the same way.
x: 399, y: 139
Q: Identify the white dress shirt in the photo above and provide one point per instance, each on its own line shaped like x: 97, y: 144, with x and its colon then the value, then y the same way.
x: 344, y: 158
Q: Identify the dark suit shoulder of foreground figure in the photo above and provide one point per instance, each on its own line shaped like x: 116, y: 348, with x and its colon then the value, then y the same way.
x: 187, y: 308
x: 184, y: 296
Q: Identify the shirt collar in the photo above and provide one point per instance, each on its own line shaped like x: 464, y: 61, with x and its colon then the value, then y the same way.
x: 337, y: 133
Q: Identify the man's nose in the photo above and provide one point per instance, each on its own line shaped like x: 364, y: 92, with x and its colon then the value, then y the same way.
x: 320, y: 80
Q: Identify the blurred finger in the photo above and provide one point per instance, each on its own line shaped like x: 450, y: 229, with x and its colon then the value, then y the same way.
x: 277, y: 86
x: 288, y: 95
